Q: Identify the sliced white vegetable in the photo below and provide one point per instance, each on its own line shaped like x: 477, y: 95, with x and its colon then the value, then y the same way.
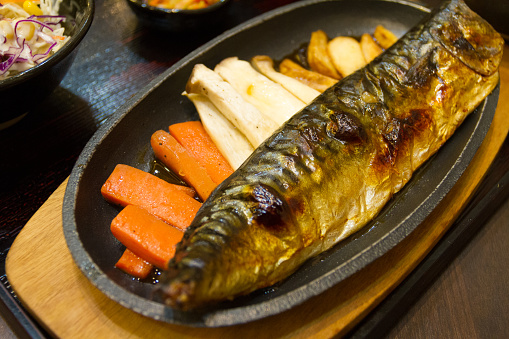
x: 229, y: 140
x: 243, y: 115
x: 384, y: 36
x: 370, y: 49
x: 269, y: 97
x: 265, y: 65
x: 346, y: 54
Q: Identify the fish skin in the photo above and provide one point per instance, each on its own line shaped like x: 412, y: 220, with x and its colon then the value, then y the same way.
x: 333, y: 166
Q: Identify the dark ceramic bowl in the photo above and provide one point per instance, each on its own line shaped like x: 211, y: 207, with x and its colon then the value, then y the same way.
x: 21, y: 93
x: 178, y: 20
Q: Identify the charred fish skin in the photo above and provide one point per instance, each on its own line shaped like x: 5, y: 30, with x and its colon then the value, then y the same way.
x: 332, y: 167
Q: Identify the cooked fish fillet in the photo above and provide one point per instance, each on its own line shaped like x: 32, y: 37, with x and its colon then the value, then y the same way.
x: 333, y: 166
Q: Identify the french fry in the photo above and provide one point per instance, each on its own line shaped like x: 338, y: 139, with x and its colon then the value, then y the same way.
x: 243, y: 115
x: 318, y: 56
x: 370, y: 49
x: 384, y: 37
x: 273, y: 100
x: 312, y: 79
x: 265, y: 65
x: 346, y: 54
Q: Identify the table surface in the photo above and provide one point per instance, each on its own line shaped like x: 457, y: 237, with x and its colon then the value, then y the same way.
x: 468, y: 298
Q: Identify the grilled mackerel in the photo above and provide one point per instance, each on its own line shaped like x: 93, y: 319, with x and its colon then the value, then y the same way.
x: 333, y: 166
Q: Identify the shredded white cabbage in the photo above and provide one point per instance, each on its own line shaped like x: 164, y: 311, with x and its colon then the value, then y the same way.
x: 50, y: 7
x: 27, y: 39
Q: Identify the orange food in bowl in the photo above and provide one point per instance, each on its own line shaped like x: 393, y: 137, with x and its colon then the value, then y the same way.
x: 182, y: 4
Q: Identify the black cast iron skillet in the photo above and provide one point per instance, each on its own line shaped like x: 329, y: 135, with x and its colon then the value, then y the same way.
x: 125, y: 138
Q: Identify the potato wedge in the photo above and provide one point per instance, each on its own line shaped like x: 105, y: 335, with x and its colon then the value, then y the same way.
x: 312, y: 79
x: 243, y: 115
x: 232, y: 143
x: 272, y: 99
x: 265, y: 65
x: 346, y: 54
x: 370, y: 49
x: 318, y: 57
x: 384, y: 37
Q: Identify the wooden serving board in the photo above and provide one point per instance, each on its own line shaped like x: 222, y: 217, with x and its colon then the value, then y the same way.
x: 48, y: 283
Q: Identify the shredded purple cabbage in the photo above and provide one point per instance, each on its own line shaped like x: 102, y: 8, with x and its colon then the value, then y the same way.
x: 23, y: 53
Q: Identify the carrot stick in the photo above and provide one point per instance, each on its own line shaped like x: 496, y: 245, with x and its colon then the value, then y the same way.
x: 130, y: 186
x: 178, y: 159
x: 196, y: 140
x: 133, y: 265
x: 145, y: 235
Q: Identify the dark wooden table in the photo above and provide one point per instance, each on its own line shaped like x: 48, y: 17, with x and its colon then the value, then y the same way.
x: 118, y: 58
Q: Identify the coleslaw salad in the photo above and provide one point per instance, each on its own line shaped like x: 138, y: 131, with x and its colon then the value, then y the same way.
x: 29, y: 34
